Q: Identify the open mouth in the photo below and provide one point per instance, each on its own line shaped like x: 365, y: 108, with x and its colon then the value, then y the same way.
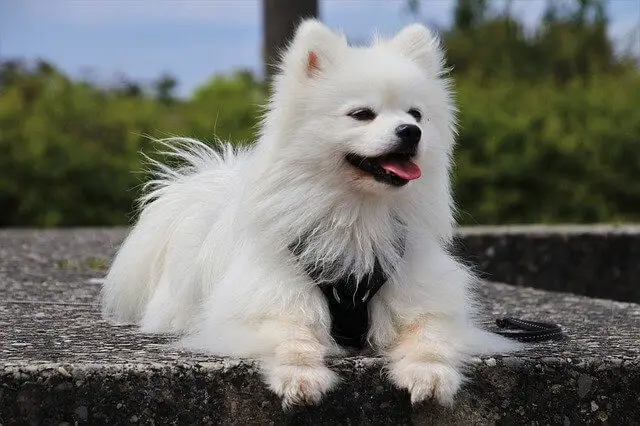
x: 394, y: 169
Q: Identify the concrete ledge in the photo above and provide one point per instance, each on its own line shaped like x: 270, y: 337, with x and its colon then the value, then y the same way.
x: 59, y: 362
x: 597, y: 261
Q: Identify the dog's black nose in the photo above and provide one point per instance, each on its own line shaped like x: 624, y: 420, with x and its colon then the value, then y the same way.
x: 409, y: 135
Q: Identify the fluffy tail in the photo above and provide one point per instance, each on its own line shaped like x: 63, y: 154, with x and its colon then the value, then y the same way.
x: 191, y: 156
x: 138, y: 265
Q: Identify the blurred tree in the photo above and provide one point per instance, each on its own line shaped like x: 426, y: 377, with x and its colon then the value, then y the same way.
x: 225, y: 107
x: 549, y: 126
x: 490, y: 43
x: 573, y: 41
x: 469, y: 13
x: 280, y: 18
x: 128, y: 88
x: 11, y: 72
x: 165, y: 87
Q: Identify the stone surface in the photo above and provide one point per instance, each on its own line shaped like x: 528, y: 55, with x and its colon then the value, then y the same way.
x: 60, y: 362
x: 597, y: 261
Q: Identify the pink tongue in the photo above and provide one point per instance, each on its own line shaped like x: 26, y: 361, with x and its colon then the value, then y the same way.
x: 404, y: 169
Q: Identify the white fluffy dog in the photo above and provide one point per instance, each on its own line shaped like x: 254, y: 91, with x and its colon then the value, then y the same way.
x: 349, y: 178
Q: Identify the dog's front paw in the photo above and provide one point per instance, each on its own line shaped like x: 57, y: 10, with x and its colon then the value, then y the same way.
x: 299, y: 384
x: 427, y: 380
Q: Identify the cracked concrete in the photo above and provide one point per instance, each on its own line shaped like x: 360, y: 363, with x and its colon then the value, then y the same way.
x: 60, y: 362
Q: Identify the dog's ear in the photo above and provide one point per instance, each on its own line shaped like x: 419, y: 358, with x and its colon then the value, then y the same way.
x: 421, y: 45
x: 314, y: 48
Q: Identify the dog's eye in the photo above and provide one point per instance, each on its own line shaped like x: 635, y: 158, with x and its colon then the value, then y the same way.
x: 362, y: 114
x: 415, y: 114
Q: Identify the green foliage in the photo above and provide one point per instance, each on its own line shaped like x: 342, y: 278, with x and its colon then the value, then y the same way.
x: 549, y: 127
x: 71, y: 151
x: 544, y: 153
x: 571, y: 42
x: 228, y: 107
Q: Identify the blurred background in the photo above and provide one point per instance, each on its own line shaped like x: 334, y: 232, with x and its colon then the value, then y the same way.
x: 549, y: 93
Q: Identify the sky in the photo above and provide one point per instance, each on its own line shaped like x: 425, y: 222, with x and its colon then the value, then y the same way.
x: 194, y: 39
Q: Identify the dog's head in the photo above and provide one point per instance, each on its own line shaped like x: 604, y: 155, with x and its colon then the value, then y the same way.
x: 378, y: 116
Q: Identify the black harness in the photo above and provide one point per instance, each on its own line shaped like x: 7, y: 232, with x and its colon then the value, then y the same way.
x: 348, y: 301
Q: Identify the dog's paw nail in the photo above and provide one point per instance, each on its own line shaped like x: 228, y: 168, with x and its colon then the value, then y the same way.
x: 298, y: 385
x: 428, y: 380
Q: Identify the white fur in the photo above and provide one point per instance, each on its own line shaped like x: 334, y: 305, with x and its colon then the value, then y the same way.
x: 209, y: 258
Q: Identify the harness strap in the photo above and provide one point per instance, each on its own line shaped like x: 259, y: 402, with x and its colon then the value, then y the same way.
x: 348, y: 299
x: 348, y: 306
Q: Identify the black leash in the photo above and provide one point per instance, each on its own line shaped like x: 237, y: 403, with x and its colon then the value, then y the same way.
x: 528, y: 331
